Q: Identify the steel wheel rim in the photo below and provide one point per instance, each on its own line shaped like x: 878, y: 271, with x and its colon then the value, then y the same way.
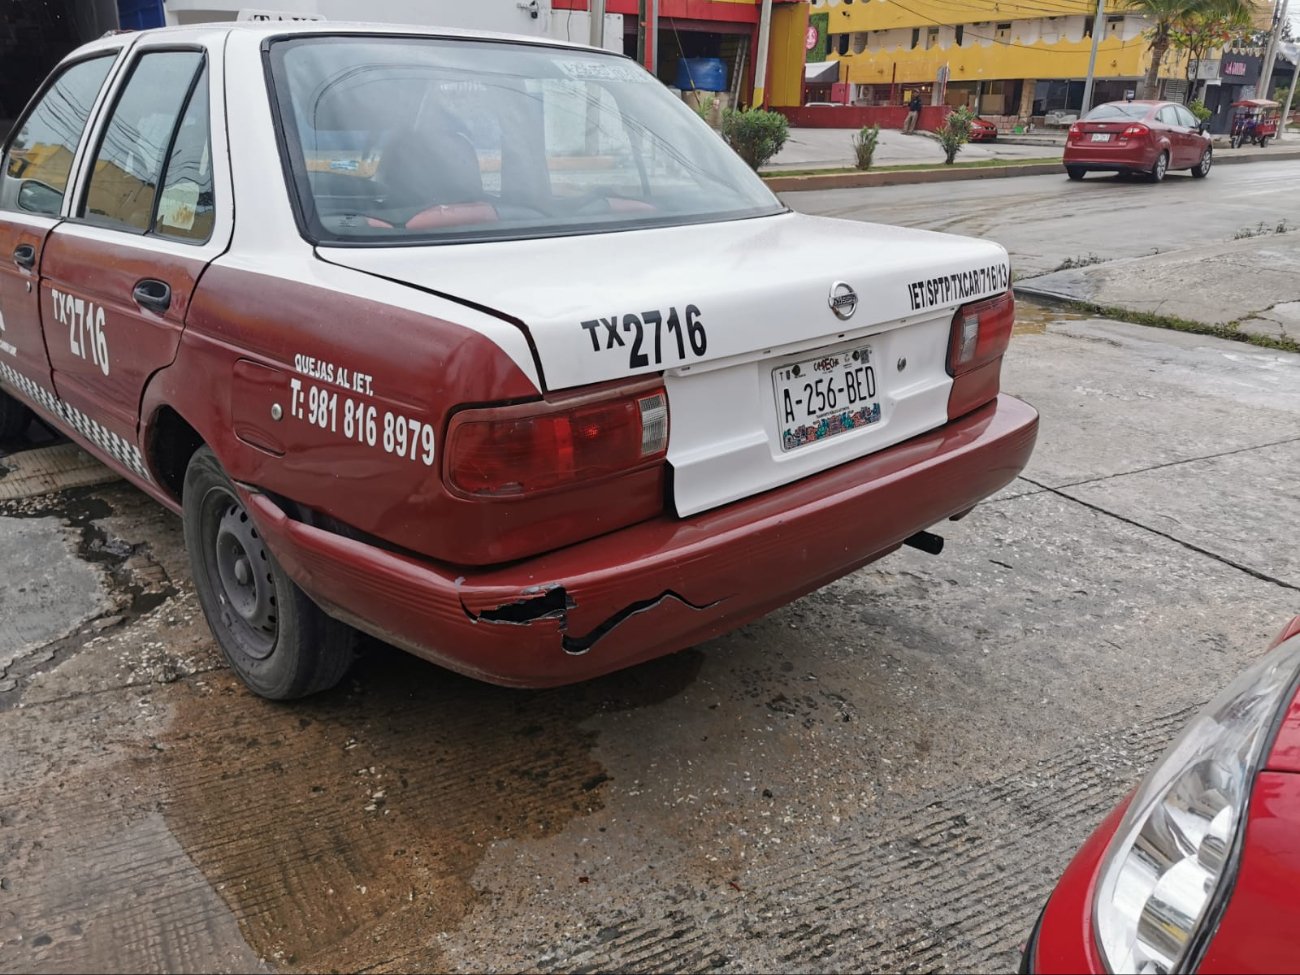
x: 239, y: 569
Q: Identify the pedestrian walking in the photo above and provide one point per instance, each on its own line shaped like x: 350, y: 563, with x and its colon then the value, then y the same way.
x: 913, y: 113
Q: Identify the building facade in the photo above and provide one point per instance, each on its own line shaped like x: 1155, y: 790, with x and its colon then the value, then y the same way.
x: 1022, y: 61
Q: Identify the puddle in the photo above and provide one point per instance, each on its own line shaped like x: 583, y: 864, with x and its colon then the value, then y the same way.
x: 134, y: 584
x: 343, y: 831
x: 1032, y: 318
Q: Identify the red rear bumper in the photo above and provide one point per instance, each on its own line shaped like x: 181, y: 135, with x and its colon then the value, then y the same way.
x: 660, y: 585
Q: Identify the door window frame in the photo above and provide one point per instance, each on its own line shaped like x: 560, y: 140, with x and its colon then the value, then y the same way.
x: 75, y: 214
x: 92, y: 118
x: 222, y: 182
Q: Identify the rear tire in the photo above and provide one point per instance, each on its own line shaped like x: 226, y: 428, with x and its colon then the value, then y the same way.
x: 276, y: 640
x: 14, y: 418
x: 1202, y: 169
x: 1074, y: 172
x: 1161, y: 167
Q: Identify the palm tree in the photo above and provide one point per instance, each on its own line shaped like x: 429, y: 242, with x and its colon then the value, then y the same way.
x: 1165, y: 15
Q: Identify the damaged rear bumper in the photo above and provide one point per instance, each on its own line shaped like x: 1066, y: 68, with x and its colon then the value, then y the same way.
x: 660, y: 585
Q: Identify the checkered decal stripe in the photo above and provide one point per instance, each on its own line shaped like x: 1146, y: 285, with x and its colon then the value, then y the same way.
x: 126, y: 454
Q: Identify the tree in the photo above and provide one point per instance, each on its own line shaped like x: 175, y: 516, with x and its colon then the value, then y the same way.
x: 1201, y: 31
x: 1165, y: 17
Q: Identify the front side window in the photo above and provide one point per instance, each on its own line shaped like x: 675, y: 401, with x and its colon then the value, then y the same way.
x: 34, y: 177
x: 394, y: 140
x: 129, y: 161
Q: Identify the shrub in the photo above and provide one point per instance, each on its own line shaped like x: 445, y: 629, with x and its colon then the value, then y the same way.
x: 1198, y: 109
x: 864, y: 145
x: 756, y: 135
x: 955, y: 132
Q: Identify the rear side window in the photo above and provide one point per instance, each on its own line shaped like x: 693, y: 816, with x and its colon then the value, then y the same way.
x: 137, y: 142
x: 185, y: 209
x: 35, y: 172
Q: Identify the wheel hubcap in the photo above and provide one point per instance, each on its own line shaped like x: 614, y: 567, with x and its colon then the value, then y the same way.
x: 247, y: 588
x: 1207, y: 162
x: 1160, y: 166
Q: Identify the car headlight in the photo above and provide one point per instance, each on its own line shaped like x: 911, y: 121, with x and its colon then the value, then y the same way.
x: 1178, y: 841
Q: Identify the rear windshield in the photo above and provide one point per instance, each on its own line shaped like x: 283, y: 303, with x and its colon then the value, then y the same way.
x: 398, y: 139
x: 1117, y: 112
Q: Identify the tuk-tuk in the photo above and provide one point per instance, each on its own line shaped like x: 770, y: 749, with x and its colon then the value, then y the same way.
x: 1255, y: 121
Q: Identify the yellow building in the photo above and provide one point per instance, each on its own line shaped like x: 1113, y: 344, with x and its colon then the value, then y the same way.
x: 1019, y: 60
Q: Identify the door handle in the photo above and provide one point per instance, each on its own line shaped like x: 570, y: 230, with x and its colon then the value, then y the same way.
x: 153, y: 294
x: 25, y: 256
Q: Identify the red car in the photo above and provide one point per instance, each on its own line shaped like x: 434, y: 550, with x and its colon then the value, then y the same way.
x: 1138, y: 138
x: 487, y: 347
x: 982, y: 130
x: 1198, y: 869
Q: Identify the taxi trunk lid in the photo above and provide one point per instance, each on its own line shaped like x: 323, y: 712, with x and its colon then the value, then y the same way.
x: 736, y: 316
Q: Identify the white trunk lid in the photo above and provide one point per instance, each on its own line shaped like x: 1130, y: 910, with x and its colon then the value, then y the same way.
x: 718, y: 309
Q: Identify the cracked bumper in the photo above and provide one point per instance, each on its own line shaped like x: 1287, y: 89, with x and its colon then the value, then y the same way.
x: 660, y: 585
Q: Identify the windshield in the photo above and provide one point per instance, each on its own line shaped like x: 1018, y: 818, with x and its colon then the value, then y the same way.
x: 398, y: 139
x: 1117, y: 112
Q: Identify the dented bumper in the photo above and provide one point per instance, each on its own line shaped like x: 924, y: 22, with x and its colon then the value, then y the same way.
x: 660, y: 585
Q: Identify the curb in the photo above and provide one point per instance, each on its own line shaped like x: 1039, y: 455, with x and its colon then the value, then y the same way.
x: 844, y: 181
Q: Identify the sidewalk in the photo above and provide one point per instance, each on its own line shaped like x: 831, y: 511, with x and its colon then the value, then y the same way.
x: 1252, y: 284
x: 833, y: 149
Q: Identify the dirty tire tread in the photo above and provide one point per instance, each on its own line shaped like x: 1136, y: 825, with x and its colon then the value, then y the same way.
x: 14, y: 417
x: 311, y: 652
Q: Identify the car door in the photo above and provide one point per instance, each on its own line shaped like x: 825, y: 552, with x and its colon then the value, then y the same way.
x: 153, y: 209
x: 34, y: 176
x: 1192, y: 133
x: 1169, y: 130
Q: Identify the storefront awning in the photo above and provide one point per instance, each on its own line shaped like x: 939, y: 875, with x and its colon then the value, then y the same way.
x: 825, y: 73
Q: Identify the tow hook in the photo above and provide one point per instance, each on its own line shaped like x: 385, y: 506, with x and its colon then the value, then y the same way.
x: 926, y: 541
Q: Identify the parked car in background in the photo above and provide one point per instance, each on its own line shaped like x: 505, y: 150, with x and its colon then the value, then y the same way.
x: 982, y: 130
x: 1138, y: 138
x: 487, y: 347
x: 1198, y: 869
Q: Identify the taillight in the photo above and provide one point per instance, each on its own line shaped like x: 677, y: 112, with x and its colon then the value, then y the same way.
x: 1074, y: 129
x: 1135, y: 132
x: 511, y: 451
x: 981, y: 332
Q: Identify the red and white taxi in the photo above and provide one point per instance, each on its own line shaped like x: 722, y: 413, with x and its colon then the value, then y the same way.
x: 486, y: 346
x: 1197, y: 870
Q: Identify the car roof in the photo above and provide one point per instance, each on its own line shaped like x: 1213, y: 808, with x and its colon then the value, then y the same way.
x: 309, y: 27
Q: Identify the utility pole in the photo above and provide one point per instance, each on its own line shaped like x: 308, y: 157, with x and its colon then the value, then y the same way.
x: 1098, y: 28
x: 597, y: 37
x: 653, y: 34
x: 1270, y: 52
x: 760, y: 60
x: 1286, y: 112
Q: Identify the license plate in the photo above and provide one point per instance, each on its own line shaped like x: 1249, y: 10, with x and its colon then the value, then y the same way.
x: 1101, y: 137
x: 825, y: 396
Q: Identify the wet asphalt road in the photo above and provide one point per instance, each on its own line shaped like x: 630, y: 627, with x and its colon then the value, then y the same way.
x: 888, y: 774
x: 1046, y: 220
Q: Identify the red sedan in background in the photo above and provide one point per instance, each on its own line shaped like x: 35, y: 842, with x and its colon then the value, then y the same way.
x: 982, y: 130
x: 1198, y: 869
x: 1141, y: 137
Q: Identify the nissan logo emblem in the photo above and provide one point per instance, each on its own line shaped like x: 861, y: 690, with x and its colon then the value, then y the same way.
x: 843, y: 300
